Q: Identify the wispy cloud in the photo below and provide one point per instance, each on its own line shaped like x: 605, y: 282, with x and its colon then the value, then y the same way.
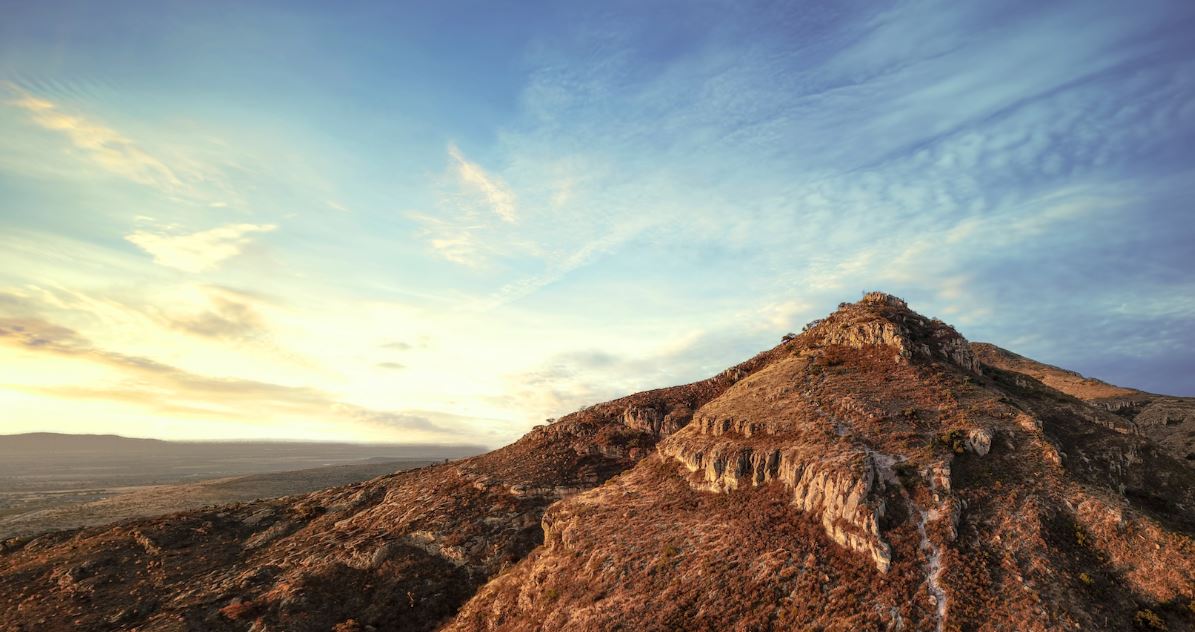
x: 452, y: 240
x: 106, y: 147
x: 476, y: 214
x: 492, y: 189
x: 228, y: 318
x: 196, y: 252
x: 560, y: 265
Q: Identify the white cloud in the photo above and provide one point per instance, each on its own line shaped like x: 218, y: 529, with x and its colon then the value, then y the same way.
x: 492, y: 189
x: 197, y: 252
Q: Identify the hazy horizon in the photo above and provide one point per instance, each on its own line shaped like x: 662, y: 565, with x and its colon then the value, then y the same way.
x: 387, y: 222
x: 231, y: 440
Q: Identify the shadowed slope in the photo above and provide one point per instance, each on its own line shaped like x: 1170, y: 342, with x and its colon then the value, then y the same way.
x: 1167, y: 420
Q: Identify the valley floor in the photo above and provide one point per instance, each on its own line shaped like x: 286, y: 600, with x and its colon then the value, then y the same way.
x: 27, y: 511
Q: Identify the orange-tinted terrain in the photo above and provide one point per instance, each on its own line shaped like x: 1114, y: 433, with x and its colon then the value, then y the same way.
x: 876, y: 471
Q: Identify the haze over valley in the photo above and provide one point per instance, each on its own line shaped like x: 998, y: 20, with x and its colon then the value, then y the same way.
x: 53, y: 481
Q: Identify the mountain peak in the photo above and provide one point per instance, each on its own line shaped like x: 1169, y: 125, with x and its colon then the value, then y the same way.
x: 883, y: 298
x: 885, y: 320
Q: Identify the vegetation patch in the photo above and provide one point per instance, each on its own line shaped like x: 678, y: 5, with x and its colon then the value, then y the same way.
x: 1150, y: 620
x: 955, y: 440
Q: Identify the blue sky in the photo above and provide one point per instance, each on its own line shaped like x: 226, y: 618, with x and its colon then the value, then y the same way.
x: 403, y: 222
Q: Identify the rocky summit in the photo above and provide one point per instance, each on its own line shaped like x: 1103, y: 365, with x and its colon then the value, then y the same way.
x: 874, y: 472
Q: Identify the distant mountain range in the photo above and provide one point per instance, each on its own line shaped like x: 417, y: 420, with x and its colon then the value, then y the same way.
x: 875, y: 472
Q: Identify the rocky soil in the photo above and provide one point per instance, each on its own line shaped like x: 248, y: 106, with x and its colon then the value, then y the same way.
x: 875, y: 472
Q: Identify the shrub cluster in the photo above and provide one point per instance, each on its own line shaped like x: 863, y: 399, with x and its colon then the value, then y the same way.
x: 1149, y: 619
x: 955, y: 440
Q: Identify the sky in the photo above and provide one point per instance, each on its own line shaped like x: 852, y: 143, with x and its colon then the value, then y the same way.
x: 436, y: 222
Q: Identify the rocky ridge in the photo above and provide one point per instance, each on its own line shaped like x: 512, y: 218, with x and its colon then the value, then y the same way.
x: 874, y: 475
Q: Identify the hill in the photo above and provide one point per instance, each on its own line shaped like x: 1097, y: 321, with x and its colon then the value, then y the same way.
x: 874, y: 472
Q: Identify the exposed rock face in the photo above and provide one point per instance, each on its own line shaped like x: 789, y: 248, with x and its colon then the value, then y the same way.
x: 660, y: 422
x: 979, y: 441
x: 867, y: 474
x: 736, y: 442
x: 838, y: 493
x: 833, y: 480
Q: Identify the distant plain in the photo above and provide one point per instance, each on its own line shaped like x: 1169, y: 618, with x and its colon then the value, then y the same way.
x: 50, y: 481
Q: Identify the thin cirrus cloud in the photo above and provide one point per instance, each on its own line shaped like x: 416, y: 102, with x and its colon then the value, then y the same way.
x: 197, y: 252
x: 106, y: 147
x: 181, y: 164
x: 464, y: 231
x: 492, y: 189
x: 452, y: 239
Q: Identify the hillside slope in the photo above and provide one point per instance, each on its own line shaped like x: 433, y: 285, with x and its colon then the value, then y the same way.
x: 871, y: 473
x: 1167, y: 420
x: 875, y: 475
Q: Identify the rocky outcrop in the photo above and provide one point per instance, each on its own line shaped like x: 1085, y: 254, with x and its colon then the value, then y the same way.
x: 885, y: 320
x: 643, y: 418
x: 838, y: 491
x: 659, y: 421
x: 1122, y: 406
x: 979, y: 441
x: 830, y: 476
